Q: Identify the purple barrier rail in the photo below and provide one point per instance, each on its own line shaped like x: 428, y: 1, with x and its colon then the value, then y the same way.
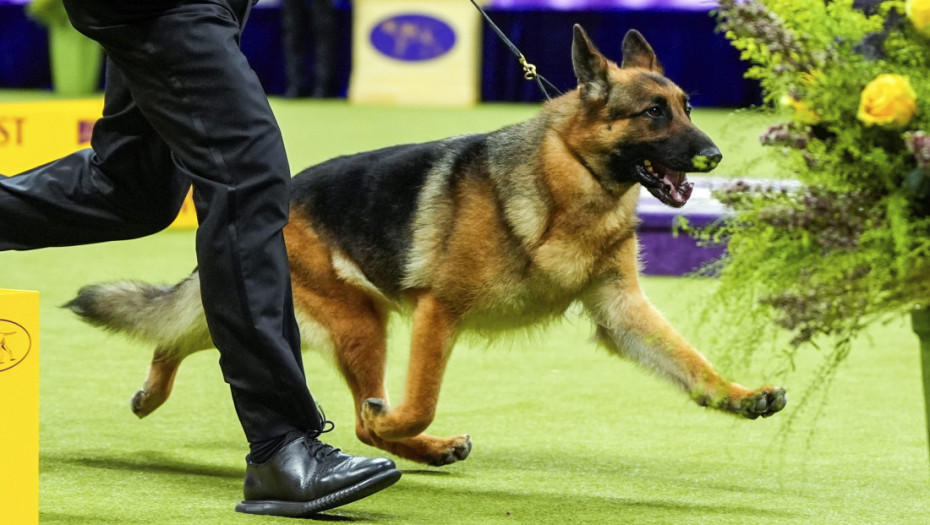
x: 663, y: 252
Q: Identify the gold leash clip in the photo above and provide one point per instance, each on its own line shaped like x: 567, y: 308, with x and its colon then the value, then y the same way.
x: 529, y: 70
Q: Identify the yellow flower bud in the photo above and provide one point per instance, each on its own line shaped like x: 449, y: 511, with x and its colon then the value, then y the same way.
x: 887, y: 101
x: 802, y: 110
x: 918, y: 11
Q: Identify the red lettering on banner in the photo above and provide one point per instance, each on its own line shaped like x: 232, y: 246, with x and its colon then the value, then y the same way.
x: 11, y: 130
x: 85, y: 130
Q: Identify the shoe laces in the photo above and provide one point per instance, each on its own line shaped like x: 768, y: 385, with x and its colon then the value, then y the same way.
x: 319, y: 449
x: 316, y: 447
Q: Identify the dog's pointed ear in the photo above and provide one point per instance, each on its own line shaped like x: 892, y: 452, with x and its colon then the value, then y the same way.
x: 637, y: 53
x: 590, y: 66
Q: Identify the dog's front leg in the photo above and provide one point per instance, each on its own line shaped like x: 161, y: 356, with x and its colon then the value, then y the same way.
x: 434, y: 328
x: 628, y: 325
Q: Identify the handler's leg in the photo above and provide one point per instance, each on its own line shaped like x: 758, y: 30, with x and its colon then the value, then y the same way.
x: 125, y: 187
x: 194, y: 86
x: 197, y: 91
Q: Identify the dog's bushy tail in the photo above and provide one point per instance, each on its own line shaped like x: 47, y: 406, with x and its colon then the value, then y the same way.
x: 170, y: 316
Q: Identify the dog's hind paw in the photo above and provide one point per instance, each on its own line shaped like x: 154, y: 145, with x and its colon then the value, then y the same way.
x: 374, y: 406
x: 372, y: 409
x: 763, y: 402
x: 459, y: 451
x: 144, y: 402
x: 137, y: 403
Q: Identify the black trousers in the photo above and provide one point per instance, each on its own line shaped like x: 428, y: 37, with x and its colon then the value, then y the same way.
x: 183, y: 107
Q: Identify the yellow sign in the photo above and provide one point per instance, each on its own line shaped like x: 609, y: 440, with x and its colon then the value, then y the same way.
x: 416, y: 52
x: 19, y: 406
x: 34, y: 133
x: 187, y: 218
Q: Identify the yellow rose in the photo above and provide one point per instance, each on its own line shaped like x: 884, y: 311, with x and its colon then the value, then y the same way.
x: 887, y: 101
x: 918, y: 11
x: 802, y: 110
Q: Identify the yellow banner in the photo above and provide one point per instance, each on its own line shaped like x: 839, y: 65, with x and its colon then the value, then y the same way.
x: 34, y: 133
x: 19, y: 406
x: 415, y: 52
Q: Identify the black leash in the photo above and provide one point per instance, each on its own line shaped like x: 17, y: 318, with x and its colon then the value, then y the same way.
x: 529, y: 70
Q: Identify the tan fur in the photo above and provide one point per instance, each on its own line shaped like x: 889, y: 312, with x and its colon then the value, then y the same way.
x: 355, y: 321
x: 158, y: 384
x: 500, y: 250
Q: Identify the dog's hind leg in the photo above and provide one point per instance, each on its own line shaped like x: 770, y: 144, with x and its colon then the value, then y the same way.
x: 361, y: 356
x: 356, y: 327
x: 171, y: 317
x: 434, y: 330
x: 422, y: 448
x: 355, y: 323
x: 164, y: 367
x: 158, y: 383
x: 367, y: 384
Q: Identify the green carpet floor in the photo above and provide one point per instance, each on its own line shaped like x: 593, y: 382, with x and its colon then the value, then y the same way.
x: 563, y: 432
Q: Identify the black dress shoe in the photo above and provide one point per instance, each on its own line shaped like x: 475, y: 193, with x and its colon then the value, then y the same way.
x: 308, y: 476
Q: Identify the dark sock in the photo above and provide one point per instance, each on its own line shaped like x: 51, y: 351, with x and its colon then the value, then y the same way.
x: 262, y: 451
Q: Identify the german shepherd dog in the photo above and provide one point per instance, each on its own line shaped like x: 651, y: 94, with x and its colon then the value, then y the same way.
x: 484, y: 232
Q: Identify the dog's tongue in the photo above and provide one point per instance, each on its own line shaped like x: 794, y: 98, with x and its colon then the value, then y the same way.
x: 676, y: 183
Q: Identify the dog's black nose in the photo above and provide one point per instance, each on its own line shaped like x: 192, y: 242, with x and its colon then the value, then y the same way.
x: 713, y: 154
x: 707, y: 158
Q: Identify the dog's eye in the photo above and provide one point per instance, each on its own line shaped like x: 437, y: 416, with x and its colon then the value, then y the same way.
x: 688, y: 109
x: 655, y: 112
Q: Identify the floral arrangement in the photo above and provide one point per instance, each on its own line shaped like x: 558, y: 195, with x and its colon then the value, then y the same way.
x: 851, y: 244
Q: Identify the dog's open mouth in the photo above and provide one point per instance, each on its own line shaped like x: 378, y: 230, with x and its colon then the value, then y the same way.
x: 669, y: 186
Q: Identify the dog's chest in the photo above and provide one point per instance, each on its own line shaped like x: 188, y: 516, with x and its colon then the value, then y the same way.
x: 558, y: 272
x: 519, y: 305
x: 580, y: 245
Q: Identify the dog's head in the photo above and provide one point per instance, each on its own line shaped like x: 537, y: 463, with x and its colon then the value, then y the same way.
x: 636, y: 123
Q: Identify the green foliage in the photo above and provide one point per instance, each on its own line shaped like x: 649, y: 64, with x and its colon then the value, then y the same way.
x: 851, y: 245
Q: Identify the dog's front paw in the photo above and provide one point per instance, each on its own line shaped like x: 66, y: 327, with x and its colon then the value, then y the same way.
x: 763, y: 402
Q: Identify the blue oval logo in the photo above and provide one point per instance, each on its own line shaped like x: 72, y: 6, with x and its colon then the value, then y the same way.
x: 413, y: 38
